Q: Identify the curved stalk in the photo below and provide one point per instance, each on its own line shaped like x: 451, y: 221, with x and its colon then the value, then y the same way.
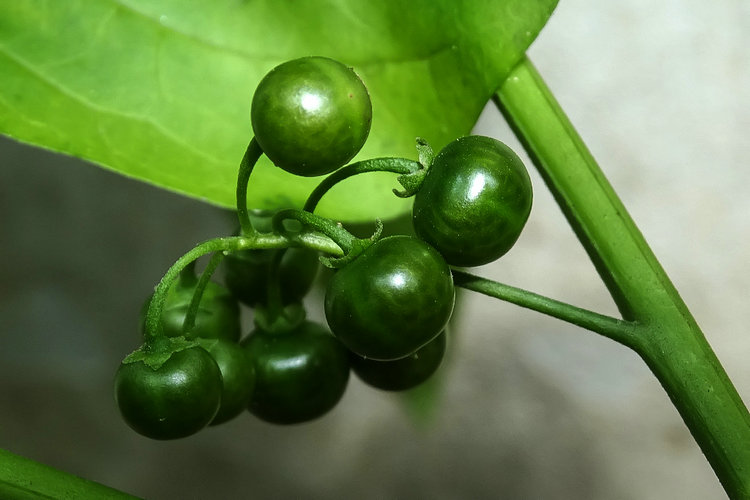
x: 189, y: 322
x: 343, y: 238
x: 227, y: 244
x: 616, y: 329
x: 250, y: 158
x: 396, y: 165
x: 669, y: 340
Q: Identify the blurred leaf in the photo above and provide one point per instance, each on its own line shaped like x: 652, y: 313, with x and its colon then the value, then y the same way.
x: 159, y: 90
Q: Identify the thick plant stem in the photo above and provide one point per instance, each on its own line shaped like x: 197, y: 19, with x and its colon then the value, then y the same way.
x: 23, y: 478
x: 669, y: 340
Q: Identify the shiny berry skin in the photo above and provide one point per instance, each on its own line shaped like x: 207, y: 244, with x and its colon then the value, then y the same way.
x: 311, y: 115
x: 401, y: 374
x: 301, y: 374
x: 474, y: 201
x: 176, y: 400
x: 246, y: 274
x: 238, y: 379
x: 395, y: 297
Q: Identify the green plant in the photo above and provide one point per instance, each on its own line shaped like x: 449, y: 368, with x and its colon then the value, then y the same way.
x: 395, y: 297
x: 654, y: 319
x: 302, y: 372
x: 404, y: 373
x: 186, y: 374
x: 174, y: 399
x: 237, y: 377
x: 247, y: 273
x: 474, y: 201
x: 317, y: 104
x: 217, y: 315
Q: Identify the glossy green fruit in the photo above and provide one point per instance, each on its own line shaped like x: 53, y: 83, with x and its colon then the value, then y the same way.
x: 311, y: 115
x: 178, y: 399
x: 246, y: 274
x: 474, y: 201
x: 395, y: 297
x: 300, y: 374
x: 401, y: 374
x: 238, y: 379
x: 218, y: 315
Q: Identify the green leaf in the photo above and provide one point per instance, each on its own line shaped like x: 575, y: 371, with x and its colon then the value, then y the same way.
x: 160, y: 90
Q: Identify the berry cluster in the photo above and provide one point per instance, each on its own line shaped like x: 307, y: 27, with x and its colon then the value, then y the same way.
x: 386, y: 305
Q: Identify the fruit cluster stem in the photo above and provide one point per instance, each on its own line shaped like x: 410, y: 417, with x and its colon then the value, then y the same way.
x: 669, y: 339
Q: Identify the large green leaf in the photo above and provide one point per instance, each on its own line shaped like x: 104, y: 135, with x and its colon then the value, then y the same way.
x: 159, y: 90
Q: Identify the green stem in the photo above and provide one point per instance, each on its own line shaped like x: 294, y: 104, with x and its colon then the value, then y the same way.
x: 396, y: 165
x: 250, y: 158
x: 616, y: 329
x: 25, y: 479
x: 343, y: 238
x: 213, y: 263
x: 258, y: 241
x: 669, y: 340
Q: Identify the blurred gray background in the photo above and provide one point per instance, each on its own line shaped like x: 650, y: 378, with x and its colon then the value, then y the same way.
x: 528, y: 407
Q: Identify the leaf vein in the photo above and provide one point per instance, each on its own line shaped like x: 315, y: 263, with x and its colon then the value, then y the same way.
x: 68, y: 92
